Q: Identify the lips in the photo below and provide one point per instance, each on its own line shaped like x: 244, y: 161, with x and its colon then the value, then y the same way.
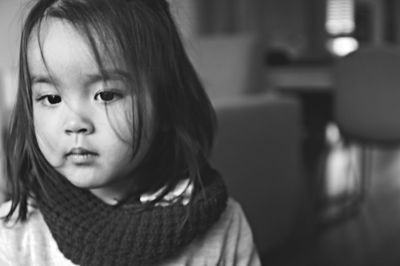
x: 81, y: 155
x: 80, y: 151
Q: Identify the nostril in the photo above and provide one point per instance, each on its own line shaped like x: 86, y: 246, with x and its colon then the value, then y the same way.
x: 76, y: 131
x: 82, y: 130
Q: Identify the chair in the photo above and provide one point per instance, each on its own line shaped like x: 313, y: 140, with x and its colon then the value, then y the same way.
x: 366, y: 107
x: 367, y: 95
x: 257, y: 151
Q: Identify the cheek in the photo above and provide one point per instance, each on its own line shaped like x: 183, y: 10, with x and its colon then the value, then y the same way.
x: 46, y: 141
x: 123, y: 128
x: 42, y: 127
x: 46, y: 137
x: 49, y: 150
x: 120, y: 124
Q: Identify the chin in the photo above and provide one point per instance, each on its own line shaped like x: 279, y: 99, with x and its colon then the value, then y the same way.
x: 85, y: 180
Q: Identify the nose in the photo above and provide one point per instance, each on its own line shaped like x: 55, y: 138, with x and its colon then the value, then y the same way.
x: 77, y: 124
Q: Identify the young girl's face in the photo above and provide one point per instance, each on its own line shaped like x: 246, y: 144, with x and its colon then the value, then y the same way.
x: 83, y: 123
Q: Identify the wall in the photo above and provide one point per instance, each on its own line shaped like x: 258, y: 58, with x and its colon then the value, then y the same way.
x: 284, y: 24
x: 11, y: 12
x: 185, y: 15
x: 295, y: 26
x: 11, y: 17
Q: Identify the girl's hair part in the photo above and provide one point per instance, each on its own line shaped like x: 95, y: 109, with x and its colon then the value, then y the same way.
x: 142, y: 36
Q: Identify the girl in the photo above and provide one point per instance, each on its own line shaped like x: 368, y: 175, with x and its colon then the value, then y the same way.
x: 107, y: 154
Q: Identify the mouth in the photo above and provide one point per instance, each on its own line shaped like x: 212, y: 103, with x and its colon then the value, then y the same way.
x: 80, y: 155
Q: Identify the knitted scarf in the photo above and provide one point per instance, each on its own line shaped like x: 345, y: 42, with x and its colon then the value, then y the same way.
x: 92, y: 233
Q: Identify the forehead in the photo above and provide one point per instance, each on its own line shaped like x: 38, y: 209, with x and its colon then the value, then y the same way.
x: 57, y: 45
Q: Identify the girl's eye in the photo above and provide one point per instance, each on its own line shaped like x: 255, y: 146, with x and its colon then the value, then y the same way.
x: 53, y: 99
x: 107, y: 96
x: 50, y: 99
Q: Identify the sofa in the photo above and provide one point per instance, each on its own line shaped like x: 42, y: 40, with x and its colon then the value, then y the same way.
x: 257, y: 150
x: 258, y: 143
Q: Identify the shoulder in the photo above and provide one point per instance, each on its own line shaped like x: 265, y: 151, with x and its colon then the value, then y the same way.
x: 14, y: 224
x: 14, y: 235
x: 234, y: 213
x: 228, y: 242
x: 232, y: 221
x: 4, y: 208
x: 236, y: 237
x: 29, y: 242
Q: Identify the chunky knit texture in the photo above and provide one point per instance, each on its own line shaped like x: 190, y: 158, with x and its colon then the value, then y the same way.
x: 92, y: 233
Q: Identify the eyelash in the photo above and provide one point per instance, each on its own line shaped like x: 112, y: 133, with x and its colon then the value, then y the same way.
x: 48, y: 97
x: 53, y: 99
x: 108, y: 93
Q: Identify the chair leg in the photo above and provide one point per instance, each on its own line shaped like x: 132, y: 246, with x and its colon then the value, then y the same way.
x: 347, y: 170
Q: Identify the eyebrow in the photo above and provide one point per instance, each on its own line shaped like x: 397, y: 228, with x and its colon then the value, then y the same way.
x: 108, y: 75
x: 41, y: 79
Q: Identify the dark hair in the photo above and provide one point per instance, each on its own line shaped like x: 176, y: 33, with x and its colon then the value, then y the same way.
x: 143, y: 34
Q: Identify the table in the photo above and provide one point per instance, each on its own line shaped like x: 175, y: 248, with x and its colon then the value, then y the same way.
x: 301, y: 78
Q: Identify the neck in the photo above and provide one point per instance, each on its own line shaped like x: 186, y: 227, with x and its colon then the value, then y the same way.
x: 114, y: 193
x: 107, y: 196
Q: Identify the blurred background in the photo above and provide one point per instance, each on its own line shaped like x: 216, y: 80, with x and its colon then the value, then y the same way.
x: 307, y: 96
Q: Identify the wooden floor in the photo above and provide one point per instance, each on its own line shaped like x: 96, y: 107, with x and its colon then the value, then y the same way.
x: 369, y: 237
